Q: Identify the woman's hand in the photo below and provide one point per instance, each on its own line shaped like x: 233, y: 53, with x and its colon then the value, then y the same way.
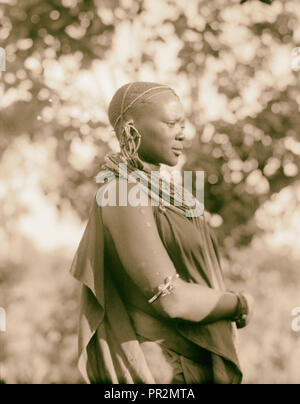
x: 244, y: 309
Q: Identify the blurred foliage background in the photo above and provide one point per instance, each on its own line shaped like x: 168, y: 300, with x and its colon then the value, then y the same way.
x: 231, y: 66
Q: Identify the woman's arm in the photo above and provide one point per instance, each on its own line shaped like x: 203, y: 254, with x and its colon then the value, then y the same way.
x: 144, y: 257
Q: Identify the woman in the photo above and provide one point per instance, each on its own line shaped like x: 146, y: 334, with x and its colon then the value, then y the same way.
x: 154, y: 308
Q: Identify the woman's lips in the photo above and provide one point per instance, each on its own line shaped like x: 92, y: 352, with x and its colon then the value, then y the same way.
x: 177, y: 152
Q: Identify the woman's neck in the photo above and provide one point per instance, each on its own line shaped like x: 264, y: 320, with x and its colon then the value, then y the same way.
x: 151, y: 166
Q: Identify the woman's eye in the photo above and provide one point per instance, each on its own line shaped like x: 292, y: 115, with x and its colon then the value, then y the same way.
x: 171, y: 124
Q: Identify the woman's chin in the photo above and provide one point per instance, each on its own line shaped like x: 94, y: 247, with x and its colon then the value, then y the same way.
x: 169, y: 160
x: 172, y: 161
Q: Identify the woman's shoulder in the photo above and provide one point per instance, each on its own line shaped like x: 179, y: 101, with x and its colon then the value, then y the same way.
x: 119, y: 192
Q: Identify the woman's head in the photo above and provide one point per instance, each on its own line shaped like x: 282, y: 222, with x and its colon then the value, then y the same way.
x: 156, y: 113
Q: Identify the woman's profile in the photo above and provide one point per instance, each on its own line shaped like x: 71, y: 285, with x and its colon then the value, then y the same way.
x: 154, y: 308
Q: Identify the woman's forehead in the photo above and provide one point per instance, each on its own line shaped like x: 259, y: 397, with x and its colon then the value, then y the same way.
x: 166, y: 106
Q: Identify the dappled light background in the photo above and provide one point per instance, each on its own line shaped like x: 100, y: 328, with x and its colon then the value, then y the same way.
x: 231, y: 64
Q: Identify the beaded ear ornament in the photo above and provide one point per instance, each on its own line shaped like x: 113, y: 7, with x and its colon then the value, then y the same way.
x: 130, y: 140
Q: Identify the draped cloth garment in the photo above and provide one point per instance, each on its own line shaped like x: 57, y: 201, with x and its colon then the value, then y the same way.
x: 115, y: 329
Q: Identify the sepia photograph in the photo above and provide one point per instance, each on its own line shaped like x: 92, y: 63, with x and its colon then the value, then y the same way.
x: 149, y: 194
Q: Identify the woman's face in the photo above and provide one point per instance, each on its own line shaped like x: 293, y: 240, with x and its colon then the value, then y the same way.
x: 161, y: 125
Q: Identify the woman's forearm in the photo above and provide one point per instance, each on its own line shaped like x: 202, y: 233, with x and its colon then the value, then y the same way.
x: 224, y: 309
x: 197, y: 303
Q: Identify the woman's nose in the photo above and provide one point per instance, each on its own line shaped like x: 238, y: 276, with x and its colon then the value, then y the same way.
x: 180, y: 133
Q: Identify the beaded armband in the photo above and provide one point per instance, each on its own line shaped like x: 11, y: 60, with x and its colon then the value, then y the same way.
x: 165, y: 288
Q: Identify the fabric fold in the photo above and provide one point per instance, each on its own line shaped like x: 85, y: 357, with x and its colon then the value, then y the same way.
x: 108, y: 348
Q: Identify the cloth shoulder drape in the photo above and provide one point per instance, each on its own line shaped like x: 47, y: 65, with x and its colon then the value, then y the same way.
x: 108, y: 349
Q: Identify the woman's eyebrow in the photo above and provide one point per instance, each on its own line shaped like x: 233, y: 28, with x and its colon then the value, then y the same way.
x: 181, y: 119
